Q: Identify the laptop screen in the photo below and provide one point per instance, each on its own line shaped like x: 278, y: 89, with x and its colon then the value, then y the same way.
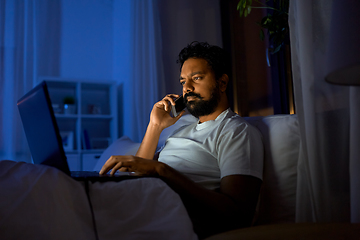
x: 41, y: 129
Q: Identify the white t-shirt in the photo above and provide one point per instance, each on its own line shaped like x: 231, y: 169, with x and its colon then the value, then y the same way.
x: 214, y: 149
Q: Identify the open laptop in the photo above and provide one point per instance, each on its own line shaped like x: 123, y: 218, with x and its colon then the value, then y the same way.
x: 44, y: 138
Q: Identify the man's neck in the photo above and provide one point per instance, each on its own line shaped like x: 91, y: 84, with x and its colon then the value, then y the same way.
x: 222, y: 106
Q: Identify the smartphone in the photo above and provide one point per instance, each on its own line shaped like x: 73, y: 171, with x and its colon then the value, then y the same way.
x: 179, y: 106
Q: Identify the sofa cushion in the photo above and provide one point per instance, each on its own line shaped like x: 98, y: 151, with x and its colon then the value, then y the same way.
x: 122, y: 146
x: 281, y: 139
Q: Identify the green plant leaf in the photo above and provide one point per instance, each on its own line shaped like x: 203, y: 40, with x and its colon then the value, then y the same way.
x: 244, y: 7
x: 238, y: 6
x: 262, y: 35
x: 69, y: 100
x: 249, y: 2
x: 275, y: 23
x: 276, y: 49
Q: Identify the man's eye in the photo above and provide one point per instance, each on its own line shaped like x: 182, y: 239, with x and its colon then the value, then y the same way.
x: 182, y: 83
x: 197, y: 78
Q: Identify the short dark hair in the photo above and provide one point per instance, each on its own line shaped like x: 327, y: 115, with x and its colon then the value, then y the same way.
x: 214, y: 55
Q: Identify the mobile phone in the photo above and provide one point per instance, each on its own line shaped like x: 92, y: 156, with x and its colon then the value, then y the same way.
x: 179, y: 106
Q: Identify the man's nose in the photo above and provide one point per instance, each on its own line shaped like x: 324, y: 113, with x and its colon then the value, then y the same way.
x: 188, y: 87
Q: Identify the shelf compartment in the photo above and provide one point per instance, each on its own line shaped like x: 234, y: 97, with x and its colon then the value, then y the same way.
x: 95, y: 99
x: 58, y: 91
x: 96, y: 133
x: 66, y: 126
x: 96, y: 112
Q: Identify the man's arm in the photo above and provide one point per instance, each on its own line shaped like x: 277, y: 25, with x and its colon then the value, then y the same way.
x: 232, y: 206
x: 159, y: 120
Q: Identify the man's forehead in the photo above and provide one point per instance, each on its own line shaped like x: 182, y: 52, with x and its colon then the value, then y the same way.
x: 195, y: 66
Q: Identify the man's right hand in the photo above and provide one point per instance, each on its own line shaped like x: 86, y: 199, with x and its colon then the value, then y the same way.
x: 160, y: 114
x: 159, y: 120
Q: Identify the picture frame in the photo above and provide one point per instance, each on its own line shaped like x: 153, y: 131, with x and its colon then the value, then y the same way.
x: 67, y: 138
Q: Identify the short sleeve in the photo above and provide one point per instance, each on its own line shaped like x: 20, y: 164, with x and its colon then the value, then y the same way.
x: 241, y: 151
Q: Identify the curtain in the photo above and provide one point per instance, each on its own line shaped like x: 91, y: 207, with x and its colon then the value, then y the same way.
x: 329, y: 163
x: 144, y: 83
x: 147, y: 70
x: 24, y: 45
x: 18, y: 68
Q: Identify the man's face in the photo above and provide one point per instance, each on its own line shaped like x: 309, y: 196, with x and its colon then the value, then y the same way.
x: 200, y: 89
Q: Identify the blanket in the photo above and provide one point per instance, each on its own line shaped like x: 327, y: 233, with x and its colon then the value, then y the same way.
x: 41, y: 202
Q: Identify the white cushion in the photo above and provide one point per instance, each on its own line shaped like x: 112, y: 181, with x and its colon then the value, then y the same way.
x: 122, y: 146
x: 281, y: 139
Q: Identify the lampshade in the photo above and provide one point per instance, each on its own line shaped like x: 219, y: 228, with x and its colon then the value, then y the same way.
x: 343, y: 53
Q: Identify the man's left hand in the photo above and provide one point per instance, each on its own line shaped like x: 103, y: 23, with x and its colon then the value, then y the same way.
x: 135, y: 164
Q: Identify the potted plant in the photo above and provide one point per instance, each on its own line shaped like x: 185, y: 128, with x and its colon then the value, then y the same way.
x: 275, y: 22
x: 69, y: 105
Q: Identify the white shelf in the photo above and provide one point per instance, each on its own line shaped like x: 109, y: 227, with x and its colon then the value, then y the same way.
x: 95, y: 112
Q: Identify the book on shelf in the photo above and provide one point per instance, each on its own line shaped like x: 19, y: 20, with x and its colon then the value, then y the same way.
x: 86, y: 140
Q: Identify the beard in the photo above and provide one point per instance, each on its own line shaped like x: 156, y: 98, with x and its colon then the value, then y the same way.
x: 202, y: 107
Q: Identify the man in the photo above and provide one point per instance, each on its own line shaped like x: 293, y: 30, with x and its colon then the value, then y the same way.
x: 215, y: 165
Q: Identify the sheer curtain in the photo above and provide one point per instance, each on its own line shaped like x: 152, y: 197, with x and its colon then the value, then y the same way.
x: 329, y: 165
x: 142, y: 79
x: 24, y: 46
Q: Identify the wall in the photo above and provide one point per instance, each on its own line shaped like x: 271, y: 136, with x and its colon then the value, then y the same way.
x: 121, y: 52
x: 87, y: 39
x: 96, y: 41
x: 89, y: 29
x: 250, y: 73
x: 183, y: 22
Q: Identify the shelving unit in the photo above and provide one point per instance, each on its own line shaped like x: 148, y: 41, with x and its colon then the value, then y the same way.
x: 92, y: 125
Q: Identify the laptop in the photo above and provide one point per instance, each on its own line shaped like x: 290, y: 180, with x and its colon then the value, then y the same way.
x: 44, y: 139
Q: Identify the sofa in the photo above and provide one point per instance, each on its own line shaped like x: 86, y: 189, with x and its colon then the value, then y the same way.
x: 281, y: 146
x: 41, y: 202
x: 276, y: 210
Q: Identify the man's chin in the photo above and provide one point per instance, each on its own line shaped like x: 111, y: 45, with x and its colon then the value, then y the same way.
x: 191, y: 105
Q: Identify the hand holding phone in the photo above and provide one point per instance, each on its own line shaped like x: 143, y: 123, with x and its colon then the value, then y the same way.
x: 179, y: 106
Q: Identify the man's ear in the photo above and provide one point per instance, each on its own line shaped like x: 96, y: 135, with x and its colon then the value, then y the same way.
x: 223, y: 82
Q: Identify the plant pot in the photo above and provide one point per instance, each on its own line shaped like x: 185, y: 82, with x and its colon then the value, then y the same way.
x: 69, y: 108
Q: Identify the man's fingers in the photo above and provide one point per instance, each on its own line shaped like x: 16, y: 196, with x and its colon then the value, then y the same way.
x: 124, y: 169
x: 163, y: 104
x: 106, y: 167
x: 171, y: 98
x: 115, y: 168
x: 167, y: 101
x: 109, y: 164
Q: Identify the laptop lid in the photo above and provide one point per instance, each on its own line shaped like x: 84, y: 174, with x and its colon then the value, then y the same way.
x: 41, y: 128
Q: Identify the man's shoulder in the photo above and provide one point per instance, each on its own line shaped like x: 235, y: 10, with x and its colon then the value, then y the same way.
x: 232, y: 119
x: 236, y: 123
